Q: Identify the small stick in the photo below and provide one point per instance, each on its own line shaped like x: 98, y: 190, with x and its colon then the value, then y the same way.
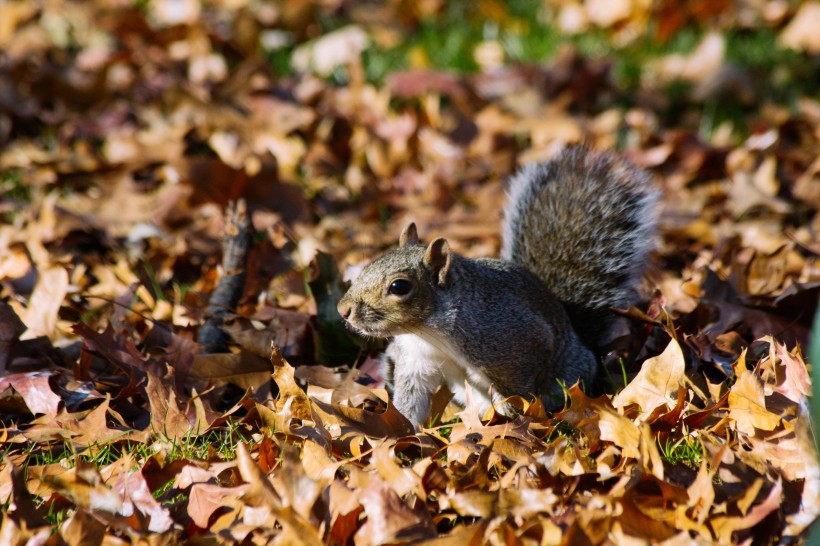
x: 228, y: 291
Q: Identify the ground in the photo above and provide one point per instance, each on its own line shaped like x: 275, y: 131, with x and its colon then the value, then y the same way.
x: 135, y: 138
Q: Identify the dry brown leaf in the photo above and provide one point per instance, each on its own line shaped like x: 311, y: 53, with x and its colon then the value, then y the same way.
x: 726, y: 526
x: 263, y: 495
x: 318, y: 464
x: 388, y: 518
x: 10, y: 329
x: 747, y: 405
x: 620, y: 431
x: 656, y: 384
x: 169, y: 415
x: 292, y: 399
x: 786, y: 371
x: 584, y: 413
x: 41, y: 314
x: 127, y: 503
x: 82, y: 529
x: 138, y: 498
x: 206, y: 498
x: 801, y: 32
x: 391, y: 423
x: 245, y: 370
x: 36, y: 391
x: 21, y: 502
x: 296, y: 488
x: 336, y: 48
x: 345, y: 510
x: 402, y: 480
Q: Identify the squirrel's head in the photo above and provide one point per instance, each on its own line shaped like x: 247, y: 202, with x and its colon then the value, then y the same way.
x: 397, y: 292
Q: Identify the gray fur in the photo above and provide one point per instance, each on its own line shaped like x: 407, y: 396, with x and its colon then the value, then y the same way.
x: 576, y: 234
x: 584, y: 223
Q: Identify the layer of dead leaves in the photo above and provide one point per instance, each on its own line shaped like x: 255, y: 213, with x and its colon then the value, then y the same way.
x: 126, y: 128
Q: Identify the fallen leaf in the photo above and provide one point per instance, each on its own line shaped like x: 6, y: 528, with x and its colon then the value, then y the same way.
x: 335, y: 48
x: 656, y: 384
x: 169, y: 415
x: 801, y: 33
x: 82, y: 529
x: 41, y: 314
x: 36, y: 391
x: 291, y: 396
x: 747, y: 405
x: 206, y: 498
x: 388, y: 518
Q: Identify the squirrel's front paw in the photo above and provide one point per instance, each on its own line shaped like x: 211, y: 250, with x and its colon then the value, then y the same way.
x: 412, y: 402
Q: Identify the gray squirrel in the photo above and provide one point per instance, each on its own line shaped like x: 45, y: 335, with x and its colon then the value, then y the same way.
x: 577, y: 230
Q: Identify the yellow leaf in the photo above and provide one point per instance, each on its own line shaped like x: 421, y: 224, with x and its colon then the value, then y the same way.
x: 656, y: 384
x: 45, y: 302
x: 801, y: 33
x: 747, y: 405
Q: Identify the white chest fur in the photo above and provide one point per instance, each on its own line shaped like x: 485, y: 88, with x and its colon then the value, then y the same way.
x: 429, y: 362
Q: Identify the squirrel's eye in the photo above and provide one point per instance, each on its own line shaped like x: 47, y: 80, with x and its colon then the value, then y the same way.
x: 400, y: 287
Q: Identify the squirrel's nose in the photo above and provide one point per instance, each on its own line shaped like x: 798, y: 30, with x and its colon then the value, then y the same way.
x: 345, y: 308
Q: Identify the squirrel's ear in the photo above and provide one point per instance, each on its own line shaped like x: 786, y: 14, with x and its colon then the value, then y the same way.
x: 409, y: 236
x: 437, y: 258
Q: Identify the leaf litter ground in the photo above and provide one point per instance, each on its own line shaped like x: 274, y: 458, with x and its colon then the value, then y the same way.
x: 125, y: 131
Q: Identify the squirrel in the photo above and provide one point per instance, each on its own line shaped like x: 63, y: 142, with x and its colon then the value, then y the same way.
x: 576, y: 235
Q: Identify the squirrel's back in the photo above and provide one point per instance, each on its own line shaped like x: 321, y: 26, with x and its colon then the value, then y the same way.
x: 583, y: 222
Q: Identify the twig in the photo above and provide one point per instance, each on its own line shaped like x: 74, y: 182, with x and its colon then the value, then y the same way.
x: 228, y: 291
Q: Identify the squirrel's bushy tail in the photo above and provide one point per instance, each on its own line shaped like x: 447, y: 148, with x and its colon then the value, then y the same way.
x: 584, y: 222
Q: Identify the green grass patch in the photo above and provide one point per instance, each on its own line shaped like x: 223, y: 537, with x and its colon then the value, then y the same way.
x: 447, y: 40
x: 686, y: 450
x: 220, y: 443
x: 217, y: 444
x: 14, y: 194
